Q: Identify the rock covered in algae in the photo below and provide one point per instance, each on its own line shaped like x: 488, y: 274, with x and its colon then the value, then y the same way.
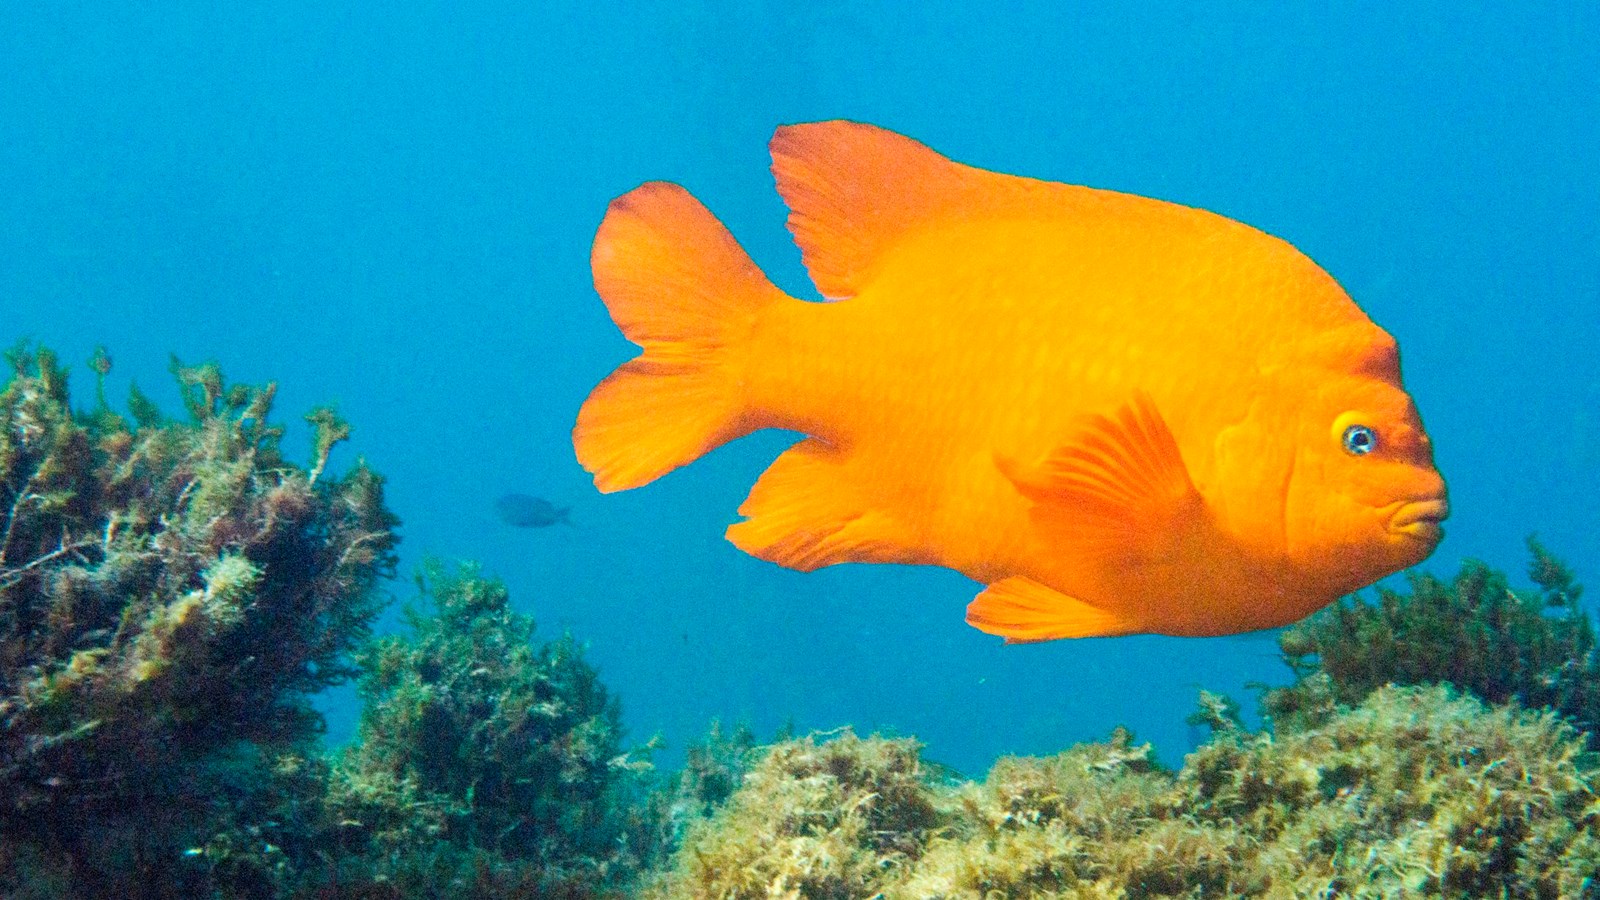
x: 1417, y: 791
x: 1414, y: 792
x: 172, y: 592
x: 812, y: 819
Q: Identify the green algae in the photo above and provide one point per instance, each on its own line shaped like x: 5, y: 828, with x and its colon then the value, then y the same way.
x: 172, y: 593
x: 1502, y: 644
x: 487, y: 763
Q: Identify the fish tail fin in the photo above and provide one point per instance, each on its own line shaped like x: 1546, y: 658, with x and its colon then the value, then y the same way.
x: 678, y: 285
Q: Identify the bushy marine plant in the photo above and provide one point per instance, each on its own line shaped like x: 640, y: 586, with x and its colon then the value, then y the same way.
x: 488, y: 764
x: 1098, y: 820
x: 666, y: 806
x: 1476, y: 632
x: 1416, y: 791
x: 1413, y: 792
x: 814, y: 819
x: 171, y: 595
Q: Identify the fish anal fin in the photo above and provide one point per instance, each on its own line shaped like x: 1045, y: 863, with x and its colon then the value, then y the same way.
x: 1023, y: 611
x: 854, y: 190
x: 1118, y: 487
x: 805, y: 513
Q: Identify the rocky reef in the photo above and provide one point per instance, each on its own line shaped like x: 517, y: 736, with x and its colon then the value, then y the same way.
x: 1434, y: 742
x: 1414, y: 792
x: 174, y: 592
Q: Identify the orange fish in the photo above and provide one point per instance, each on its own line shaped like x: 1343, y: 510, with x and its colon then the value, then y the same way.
x: 1120, y: 414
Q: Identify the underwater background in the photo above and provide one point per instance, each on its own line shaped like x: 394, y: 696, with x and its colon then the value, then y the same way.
x: 391, y: 211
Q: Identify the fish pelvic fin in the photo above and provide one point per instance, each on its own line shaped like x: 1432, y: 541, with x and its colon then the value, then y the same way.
x: 806, y: 512
x: 678, y: 285
x: 1118, y: 490
x: 1023, y: 611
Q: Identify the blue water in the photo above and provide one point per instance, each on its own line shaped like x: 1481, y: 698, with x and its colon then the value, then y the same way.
x: 393, y: 211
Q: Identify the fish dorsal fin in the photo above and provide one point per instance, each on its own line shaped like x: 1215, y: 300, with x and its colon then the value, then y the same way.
x: 853, y: 190
x: 1119, y: 488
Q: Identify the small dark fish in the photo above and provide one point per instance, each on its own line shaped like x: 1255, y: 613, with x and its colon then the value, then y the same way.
x: 524, y: 511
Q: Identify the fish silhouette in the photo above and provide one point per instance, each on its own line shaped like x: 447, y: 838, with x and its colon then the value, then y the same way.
x: 525, y: 511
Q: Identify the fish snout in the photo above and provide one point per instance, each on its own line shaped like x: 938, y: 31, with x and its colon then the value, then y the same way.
x: 1420, y: 519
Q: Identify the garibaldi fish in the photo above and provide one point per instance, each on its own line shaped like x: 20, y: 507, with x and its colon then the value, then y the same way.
x: 1120, y: 414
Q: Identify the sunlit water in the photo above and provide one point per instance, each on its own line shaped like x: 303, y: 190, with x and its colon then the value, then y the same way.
x: 392, y: 211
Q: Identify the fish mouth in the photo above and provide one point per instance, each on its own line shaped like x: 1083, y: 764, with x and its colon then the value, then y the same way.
x: 1420, y: 519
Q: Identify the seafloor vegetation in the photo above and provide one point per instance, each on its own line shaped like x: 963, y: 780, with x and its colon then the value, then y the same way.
x: 174, y: 591
x: 1414, y: 792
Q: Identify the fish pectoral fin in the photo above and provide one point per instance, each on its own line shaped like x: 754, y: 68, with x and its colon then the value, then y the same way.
x: 1023, y: 611
x: 1119, y: 488
x: 806, y: 512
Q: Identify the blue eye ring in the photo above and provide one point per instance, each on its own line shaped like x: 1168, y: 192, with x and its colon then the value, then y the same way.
x: 1359, y: 440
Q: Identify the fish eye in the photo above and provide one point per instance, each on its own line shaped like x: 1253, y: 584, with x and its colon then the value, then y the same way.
x: 1359, y: 440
